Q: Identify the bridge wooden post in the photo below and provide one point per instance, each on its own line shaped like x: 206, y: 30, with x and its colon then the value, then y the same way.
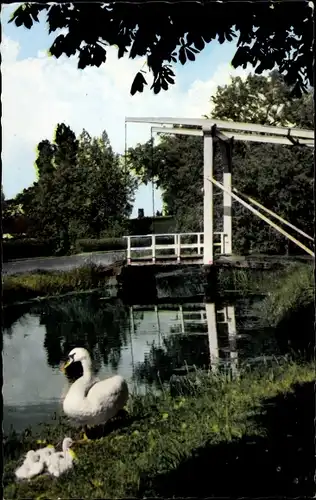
x: 153, y: 245
x: 208, y: 196
x: 128, y: 249
x: 227, y: 199
x: 226, y: 146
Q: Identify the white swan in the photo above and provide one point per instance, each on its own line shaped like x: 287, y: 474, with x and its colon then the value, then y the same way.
x: 45, y: 453
x: 31, y: 467
x: 34, y: 462
x: 60, y: 462
x: 90, y: 402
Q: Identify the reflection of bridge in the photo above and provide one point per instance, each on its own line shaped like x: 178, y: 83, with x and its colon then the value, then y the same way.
x: 200, y: 319
x: 203, y: 248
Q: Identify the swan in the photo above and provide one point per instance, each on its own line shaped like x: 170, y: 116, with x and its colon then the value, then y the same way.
x: 90, y: 402
x: 60, y: 462
x: 45, y: 453
x: 31, y: 467
x: 34, y: 462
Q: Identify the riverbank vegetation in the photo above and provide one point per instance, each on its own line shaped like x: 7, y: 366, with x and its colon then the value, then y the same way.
x: 288, y: 285
x: 287, y: 288
x: 43, y: 284
x: 294, y: 290
x: 289, y: 308
x: 257, y: 430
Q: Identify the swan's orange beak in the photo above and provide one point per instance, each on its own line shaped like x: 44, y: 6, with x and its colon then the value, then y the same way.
x: 64, y: 366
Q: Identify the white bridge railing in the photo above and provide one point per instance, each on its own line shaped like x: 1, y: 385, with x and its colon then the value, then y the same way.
x: 169, y: 246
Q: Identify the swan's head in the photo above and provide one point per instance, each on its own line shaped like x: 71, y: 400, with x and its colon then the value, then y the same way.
x: 77, y: 355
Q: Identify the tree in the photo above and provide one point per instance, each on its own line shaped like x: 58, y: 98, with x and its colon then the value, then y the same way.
x: 83, y: 189
x: 109, y: 188
x: 44, y: 163
x: 262, y: 100
x: 269, y: 34
x: 279, y: 177
x: 55, y: 189
x: 175, y: 165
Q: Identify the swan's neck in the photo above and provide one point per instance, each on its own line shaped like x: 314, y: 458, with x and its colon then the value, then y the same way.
x: 78, y: 390
x: 87, y: 370
x: 65, y: 447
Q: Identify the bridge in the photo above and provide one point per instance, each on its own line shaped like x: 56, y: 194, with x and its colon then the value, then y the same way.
x: 207, y: 246
x: 170, y: 248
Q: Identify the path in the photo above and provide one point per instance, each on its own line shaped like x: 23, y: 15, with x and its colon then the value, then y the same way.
x: 64, y: 263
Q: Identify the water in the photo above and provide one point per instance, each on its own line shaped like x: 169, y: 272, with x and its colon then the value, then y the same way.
x: 147, y: 345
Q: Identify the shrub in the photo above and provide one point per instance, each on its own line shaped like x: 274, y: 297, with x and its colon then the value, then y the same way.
x: 103, y: 244
x: 23, y: 248
x: 95, y: 245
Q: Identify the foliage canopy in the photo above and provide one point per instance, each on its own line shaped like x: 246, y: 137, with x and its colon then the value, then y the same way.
x: 268, y: 34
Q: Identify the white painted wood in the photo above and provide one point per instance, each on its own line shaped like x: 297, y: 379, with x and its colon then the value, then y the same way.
x: 208, y: 199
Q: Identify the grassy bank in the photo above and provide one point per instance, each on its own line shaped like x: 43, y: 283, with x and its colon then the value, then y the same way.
x: 293, y: 291
x: 263, y: 281
x: 24, y: 287
x: 250, y: 436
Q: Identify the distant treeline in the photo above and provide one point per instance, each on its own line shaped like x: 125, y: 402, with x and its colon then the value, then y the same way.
x: 20, y: 247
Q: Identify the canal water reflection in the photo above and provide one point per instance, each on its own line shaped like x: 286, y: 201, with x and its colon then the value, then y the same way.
x: 148, y: 345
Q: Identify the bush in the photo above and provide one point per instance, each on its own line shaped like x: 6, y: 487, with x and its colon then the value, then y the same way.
x: 23, y: 248
x: 103, y: 244
x: 95, y: 245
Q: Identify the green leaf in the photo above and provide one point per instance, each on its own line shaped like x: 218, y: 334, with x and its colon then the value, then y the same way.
x: 182, y: 55
x: 138, y: 83
x: 190, y: 55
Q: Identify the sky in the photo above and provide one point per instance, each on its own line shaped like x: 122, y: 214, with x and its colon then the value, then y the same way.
x: 39, y: 91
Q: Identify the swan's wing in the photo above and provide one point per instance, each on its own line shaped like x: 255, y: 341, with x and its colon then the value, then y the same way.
x: 112, y: 385
x: 94, y: 381
x: 109, y: 393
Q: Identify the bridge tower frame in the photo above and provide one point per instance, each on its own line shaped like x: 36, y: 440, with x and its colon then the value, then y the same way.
x: 225, y: 132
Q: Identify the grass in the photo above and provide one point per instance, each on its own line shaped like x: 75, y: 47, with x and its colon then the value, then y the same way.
x: 294, y: 291
x: 247, y: 281
x: 157, y: 451
x: 23, y: 287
